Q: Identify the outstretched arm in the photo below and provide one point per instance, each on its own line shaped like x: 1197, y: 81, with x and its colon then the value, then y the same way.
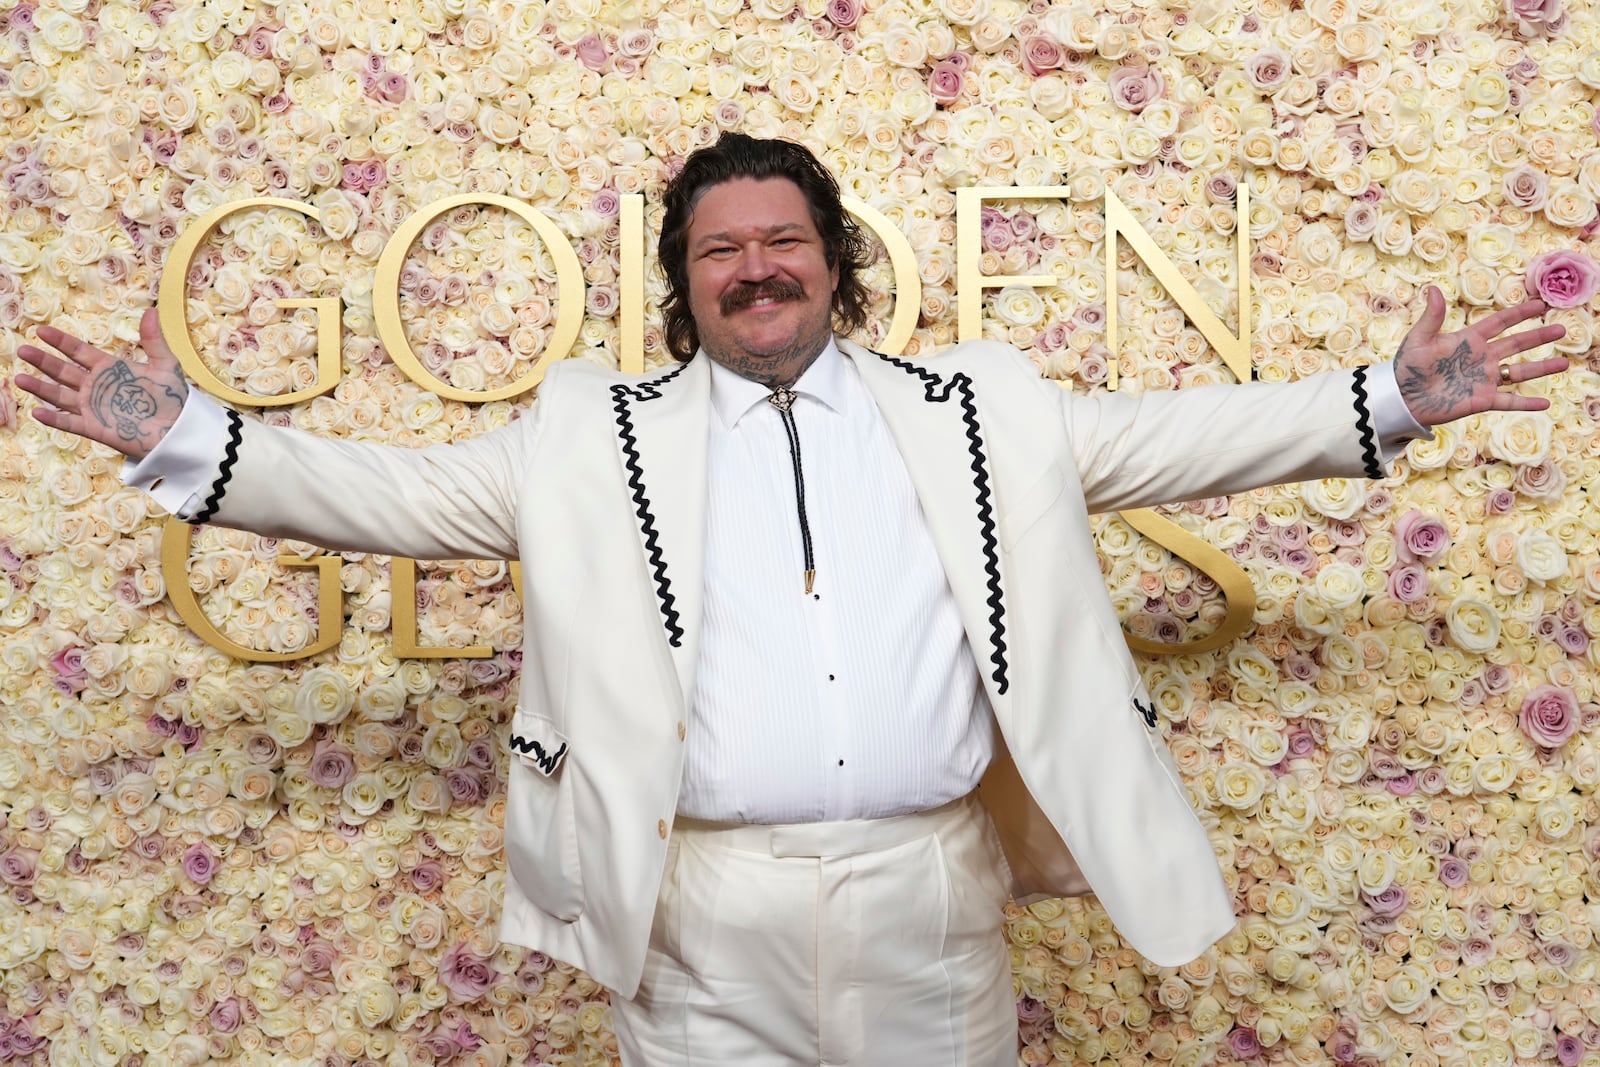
x: 110, y: 399
x: 1447, y: 376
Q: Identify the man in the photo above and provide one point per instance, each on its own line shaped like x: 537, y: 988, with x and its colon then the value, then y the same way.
x: 837, y: 572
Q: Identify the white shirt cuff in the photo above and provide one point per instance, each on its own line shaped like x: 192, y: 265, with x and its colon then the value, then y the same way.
x: 183, y: 466
x: 1392, y: 422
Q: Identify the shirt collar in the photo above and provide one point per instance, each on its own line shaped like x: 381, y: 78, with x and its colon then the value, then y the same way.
x: 733, y: 396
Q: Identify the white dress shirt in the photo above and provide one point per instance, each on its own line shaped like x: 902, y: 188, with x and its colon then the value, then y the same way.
x: 858, y: 700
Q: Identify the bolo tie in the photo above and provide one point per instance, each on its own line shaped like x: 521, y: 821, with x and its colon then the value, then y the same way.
x: 783, y: 400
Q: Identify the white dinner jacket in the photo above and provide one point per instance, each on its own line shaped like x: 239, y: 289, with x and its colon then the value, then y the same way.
x: 600, y: 490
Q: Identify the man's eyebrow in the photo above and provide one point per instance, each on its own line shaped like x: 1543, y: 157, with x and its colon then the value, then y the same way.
x: 723, y: 235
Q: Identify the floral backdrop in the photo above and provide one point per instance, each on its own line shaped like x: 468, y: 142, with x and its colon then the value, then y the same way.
x: 207, y: 859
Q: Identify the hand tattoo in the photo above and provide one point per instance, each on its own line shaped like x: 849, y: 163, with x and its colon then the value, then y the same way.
x: 1455, y: 378
x: 122, y: 399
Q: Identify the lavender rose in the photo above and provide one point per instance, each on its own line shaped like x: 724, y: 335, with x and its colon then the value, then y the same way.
x: 1136, y: 88
x: 465, y: 973
x: 331, y: 765
x: 1549, y: 715
x: 19, y: 866
x: 199, y: 862
x: 1562, y: 279
x: 1244, y: 1043
x: 1421, y: 538
x: 1453, y: 872
x: 1387, y: 902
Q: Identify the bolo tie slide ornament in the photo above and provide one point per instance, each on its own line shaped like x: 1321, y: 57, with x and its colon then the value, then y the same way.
x: 783, y: 400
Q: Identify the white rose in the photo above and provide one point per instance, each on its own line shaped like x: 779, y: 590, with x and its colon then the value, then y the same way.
x: 1541, y: 556
x: 1521, y: 437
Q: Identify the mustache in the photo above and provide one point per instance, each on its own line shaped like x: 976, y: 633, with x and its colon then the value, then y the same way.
x: 745, y: 295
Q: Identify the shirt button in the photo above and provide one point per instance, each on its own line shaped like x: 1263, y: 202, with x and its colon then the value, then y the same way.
x: 681, y: 731
x: 661, y: 828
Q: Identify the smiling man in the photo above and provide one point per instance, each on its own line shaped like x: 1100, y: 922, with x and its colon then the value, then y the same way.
x: 875, y: 683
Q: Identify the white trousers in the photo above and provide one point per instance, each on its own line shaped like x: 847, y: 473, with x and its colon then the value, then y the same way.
x: 868, y: 943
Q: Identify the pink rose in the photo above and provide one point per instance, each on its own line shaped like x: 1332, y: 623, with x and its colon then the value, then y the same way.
x: 592, y: 52
x: 945, y: 81
x: 1041, y: 54
x: 842, y: 13
x: 1136, y: 88
x: 1267, y: 69
x: 1562, y: 279
x: 1360, y: 221
x: 1549, y: 716
x: 1421, y: 538
x: 1525, y: 187
x: 1538, y: 16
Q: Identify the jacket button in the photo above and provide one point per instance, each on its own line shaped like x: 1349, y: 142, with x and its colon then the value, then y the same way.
x: 661, y: 828
x: 681, y: 731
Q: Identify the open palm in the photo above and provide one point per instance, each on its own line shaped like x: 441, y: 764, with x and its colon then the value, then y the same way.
x: 1447, y: 376
x: 110, y: 399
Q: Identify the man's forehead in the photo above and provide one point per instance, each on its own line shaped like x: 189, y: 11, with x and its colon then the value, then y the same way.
x: 771, y: 203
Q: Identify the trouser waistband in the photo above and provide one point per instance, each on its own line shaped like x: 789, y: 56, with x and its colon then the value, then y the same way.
x: 847, y: 837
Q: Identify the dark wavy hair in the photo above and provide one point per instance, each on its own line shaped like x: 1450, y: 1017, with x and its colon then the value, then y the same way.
x: 738, y: 155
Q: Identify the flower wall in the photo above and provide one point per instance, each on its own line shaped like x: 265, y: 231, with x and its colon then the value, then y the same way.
x: 206, y: 859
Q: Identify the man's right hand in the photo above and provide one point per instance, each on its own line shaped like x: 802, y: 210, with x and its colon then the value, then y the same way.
x: 129, y: 406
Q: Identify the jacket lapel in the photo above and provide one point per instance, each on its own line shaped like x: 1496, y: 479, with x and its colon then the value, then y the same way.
x: 661, y: 427
x: 934, y: 420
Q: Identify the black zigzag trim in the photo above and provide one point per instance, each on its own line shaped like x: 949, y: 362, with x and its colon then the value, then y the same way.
x: 1369, y: 448
x: 1147, y: 714
x: 547, y: 761
x: 938, y: 390
x: 225, y: 471
x: 620, y: 395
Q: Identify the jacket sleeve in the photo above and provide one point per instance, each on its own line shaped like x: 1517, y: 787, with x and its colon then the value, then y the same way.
x: 1159, y: 447
x: 446, y: 501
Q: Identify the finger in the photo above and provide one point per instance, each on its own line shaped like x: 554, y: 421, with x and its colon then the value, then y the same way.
x: 1501, y: 321
x: 1525, y: 341
x: 1517, y: 402
x: 52, y: 366
x: 48, y: 391
x: 80, y: 352
x: 1516, y: 373
x: 1432, y: 313
x: 151, y: 337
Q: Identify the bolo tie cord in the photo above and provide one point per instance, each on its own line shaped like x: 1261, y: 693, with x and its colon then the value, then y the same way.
x: 783, y: 400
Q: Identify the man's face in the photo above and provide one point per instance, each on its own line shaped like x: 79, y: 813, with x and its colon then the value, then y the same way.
x: 760, y: 288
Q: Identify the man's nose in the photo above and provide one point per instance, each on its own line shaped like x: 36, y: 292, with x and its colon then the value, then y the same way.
x: 755, y: 265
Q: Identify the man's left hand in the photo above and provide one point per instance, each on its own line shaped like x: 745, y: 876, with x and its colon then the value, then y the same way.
x: 1447, y: 376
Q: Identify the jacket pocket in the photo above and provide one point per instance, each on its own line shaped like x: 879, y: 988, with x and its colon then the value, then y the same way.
x: 537, y: 743
x: 541, y: 841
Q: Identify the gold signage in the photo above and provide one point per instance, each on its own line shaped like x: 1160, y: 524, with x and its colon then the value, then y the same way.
x: 1234, y: 350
